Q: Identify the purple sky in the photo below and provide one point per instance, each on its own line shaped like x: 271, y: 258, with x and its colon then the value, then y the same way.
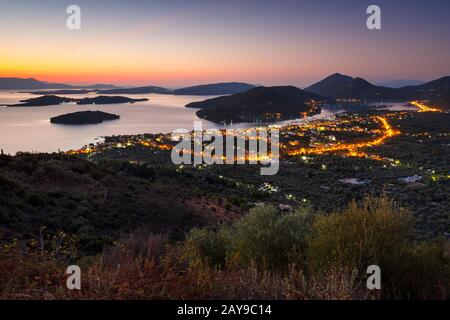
x: 270, y: 42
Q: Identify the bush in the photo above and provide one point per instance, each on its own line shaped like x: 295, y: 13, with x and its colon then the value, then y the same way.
x: 360, y: 236
x: 376, y: 233
x: 262, y: 236
x: 213, y: 246
x: 421, y: 271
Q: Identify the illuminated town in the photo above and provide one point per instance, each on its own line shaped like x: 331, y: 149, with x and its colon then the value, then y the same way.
x: 344, y: 135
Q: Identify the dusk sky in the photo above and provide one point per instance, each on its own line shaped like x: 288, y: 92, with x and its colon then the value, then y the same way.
x: 178, y: 42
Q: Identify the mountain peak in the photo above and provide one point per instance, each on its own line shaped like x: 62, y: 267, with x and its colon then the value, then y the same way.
x: 339, y: 76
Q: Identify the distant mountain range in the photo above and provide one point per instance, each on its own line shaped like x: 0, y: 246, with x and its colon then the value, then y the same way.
x: 137, y: 90
x: 340, y: 86
x: 33, y: 84
x: 336, y: 86
x: 399, y: 83
x: 215, y: 89
x: 59, y: 88
x: 260, y: 104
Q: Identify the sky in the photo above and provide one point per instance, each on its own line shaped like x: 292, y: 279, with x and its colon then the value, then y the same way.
x: 175, y: 43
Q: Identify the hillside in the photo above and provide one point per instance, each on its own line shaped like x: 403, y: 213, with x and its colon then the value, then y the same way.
x: 215, y: 89
x: 266, y: 104
x: 436, y: 91
x: 97, y: 202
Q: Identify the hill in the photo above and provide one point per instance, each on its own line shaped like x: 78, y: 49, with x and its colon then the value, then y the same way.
x: 436, y: 91
x: 399, y: 83
x: 108, y: 100
x: 48, y: 100
x: 31, y: 83
x: 84, y: 117
x: 62, y: 91
x: 344, y: 87
x: 137, y: 90
x: 215, y: 89
x: 97, y: 202
x: 261, y: 104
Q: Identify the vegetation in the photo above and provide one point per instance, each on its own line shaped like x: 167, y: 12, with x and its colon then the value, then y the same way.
x: 141, y: 227
x: 316, y: 257
x: 96, y: 202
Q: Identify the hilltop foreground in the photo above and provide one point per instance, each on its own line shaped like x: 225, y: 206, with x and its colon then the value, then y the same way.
x: 141, y: 227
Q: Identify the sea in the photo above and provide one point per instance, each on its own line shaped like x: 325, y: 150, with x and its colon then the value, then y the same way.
x: 28, y: 129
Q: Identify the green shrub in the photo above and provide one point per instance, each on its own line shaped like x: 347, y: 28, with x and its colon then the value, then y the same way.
x: 267, y: 237
x: 263, y: 236
x: 362, y: 235
x: 212, y: 245
x: 421, y: 271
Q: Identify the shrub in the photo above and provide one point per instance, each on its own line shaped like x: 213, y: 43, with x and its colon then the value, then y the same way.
x: 263, y: 236
x: 421, y: 271
x: 361, y: 235
x: 376, y: 233
x: 271, y: 239
x: 212, y: 245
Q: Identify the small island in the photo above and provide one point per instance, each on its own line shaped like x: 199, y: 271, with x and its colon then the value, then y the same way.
x: 84, y: 117
x: 47, y: 100
x: 109, y: 100
x: 138, y: 90
x: 62, y: 91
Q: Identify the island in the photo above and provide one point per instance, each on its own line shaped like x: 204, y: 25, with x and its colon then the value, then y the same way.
x: 260, y: 105
x: 47, y: 100
x: 109, y: 100
x: 52, y: 100
x: 84, y: 117
x: 138, y: 90
x: 62, y: 91
x: 215, y: 89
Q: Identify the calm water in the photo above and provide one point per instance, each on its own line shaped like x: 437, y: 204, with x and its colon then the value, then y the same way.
x: 29, y: 128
